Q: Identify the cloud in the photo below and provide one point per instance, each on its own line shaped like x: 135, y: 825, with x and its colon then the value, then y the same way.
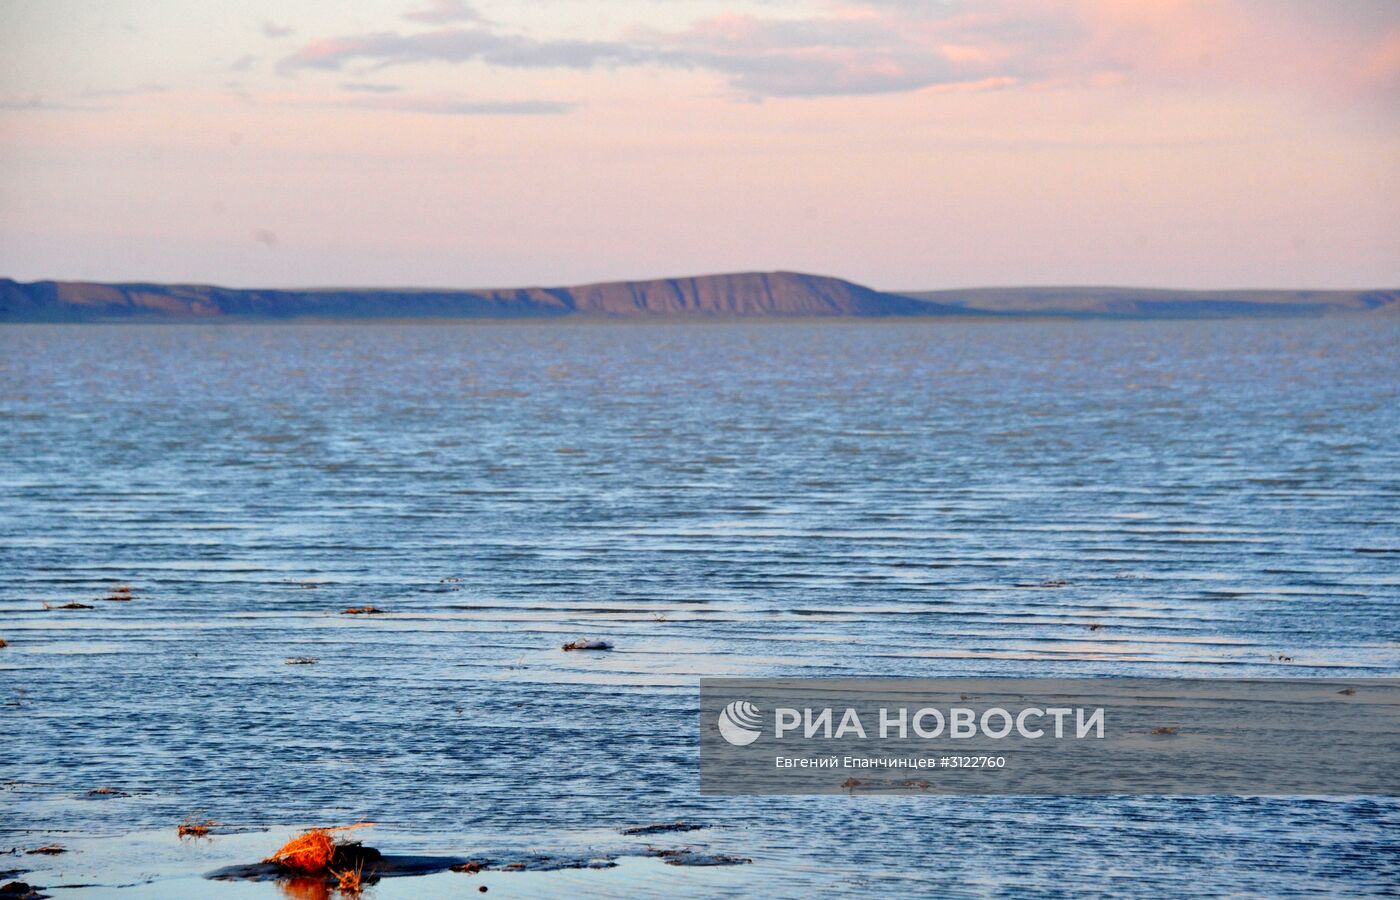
x: 890, y: 46
x: 138, y: 91
x: 451, y: 106
x: 457, y: 45
x: 424, y: 104
x: 441, y: 12
x: 37, y: 103
x: 865, y: 53
x: 273, y: 30
x: 243, y: 63
x: 368, y: 87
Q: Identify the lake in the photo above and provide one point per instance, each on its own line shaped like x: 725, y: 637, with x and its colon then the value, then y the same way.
x: 930, y: 498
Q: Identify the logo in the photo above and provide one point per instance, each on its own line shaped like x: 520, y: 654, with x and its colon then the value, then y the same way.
x: 740, y: 723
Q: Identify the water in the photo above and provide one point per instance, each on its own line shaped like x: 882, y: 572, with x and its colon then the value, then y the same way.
x: 735, y: 499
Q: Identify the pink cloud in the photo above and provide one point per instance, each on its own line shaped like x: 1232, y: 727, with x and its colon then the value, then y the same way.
x: 1341, y: 51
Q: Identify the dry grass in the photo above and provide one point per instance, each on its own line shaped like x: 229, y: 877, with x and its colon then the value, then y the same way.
x: 350, y: 881
x: 105, y: 791
x: 1164, y: 729
x: 48, y: 850
x: 311, y: 851
x: 193, y: 827
x: 363, y: 611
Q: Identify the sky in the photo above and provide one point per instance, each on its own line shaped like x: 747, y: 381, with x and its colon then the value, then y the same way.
x: 897, y: 143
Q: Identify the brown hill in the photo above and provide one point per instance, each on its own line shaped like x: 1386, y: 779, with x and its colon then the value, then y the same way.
x: 749, y: 294
x: 744, y: 294
x: 1158, y: 303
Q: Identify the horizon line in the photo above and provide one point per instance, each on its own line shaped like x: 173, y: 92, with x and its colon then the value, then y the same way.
x: 723, y: 274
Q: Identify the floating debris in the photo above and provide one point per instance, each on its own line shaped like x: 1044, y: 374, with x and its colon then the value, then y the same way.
x: 1047, y: 583
x: 19, y: 890
x: 686, y: 856
x: 73, y: 604
x: 1164, y: 729
x: 1096, y: 626
x: 587, y: 644
x: 107, y: 792
x: 4, y: 643
x: 851, y: 784
x: 470, y: 867
x: 541, y: 862
x: 1347, y: 691
x: 301, y: 660
x: 678, y: 825
x: 192, y: 827
x: 1280, y: 658
x: 48, y: 850
x: 363, y: 611
x: 120, y: 594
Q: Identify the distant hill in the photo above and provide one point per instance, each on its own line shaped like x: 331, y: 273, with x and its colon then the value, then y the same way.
x: 749, y: 294
x: 1157, y: 303
x: 746, y: 294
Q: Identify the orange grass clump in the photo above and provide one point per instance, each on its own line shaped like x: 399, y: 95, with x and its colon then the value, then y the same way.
x: 311, y: 851
x: 193, y: 827
x: 363, y: 611
x: 48, y: 850
x: 350, y: 881
x: 120, y: 594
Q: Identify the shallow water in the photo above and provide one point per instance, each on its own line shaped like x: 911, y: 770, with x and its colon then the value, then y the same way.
x: 735, y: 499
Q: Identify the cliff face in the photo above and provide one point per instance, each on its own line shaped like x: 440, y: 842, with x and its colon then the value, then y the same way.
x: 746, y: 294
